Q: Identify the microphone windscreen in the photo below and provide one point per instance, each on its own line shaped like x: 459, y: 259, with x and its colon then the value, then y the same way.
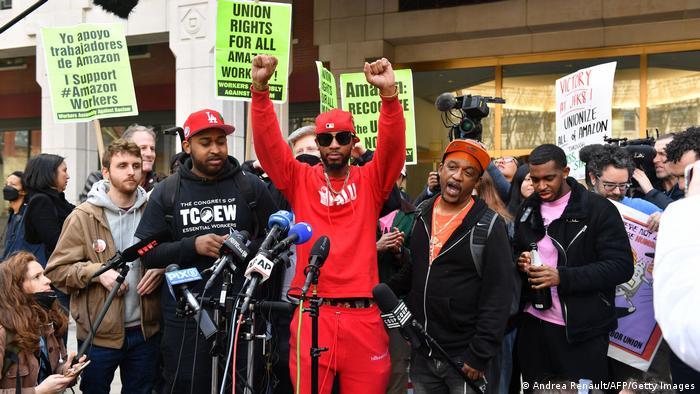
x: 445, y: 102
x: 120, y: 8
x: 321, y: 248
x: 385, y: 298
x: 303, y: 232
x: 281, y: 218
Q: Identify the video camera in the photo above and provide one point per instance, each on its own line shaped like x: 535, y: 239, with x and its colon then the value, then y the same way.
x: 469, y: 109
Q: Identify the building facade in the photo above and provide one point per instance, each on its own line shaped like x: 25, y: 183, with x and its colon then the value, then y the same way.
x: 514, y: 49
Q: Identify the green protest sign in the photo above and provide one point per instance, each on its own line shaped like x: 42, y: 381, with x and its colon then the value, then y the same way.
x: 243, y: 30
x: 328, y: 96
x: 363, y: 101
x: 88, y: 72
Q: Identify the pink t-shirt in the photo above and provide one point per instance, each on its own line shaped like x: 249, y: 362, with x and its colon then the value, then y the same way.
x: 548, y: 253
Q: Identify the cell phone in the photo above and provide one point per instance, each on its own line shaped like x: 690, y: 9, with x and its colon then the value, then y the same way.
x: 73, y: 371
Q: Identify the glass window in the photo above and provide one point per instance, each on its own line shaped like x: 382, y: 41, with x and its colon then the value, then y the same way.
x: 528, y: 116
x: 431, y: 134
x: 673, y: 91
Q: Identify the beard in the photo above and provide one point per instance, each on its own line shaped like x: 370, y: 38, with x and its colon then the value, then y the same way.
x: 123, y: 187
x: 337, y: 165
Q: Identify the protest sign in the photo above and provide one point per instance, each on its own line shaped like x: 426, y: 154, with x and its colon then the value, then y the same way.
x: 328, y: 97
x: 637, y: 336
x: 362, y: 100
x: 243, y: 30
x: 88, y: 72
x: 584, y: 111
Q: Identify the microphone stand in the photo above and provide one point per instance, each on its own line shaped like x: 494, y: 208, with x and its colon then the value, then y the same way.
x: 123, y: 270
x: 314, y: 310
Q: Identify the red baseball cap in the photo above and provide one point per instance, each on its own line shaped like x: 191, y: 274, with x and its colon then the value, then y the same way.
x: 335, y: 120
x: 205, y: 119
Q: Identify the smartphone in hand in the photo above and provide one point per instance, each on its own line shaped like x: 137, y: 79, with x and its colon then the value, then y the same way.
x: 75, y: 371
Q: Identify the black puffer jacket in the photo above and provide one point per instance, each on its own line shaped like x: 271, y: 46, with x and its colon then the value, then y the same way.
x: 594, y: 257
x: 464, y: 312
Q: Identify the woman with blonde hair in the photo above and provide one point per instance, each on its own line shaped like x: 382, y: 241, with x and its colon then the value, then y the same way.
x: 31, y: 323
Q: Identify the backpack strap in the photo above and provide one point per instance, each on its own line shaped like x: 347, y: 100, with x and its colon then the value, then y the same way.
x: 246, y: 188
x: 479, y: 235
x: 171, y: 189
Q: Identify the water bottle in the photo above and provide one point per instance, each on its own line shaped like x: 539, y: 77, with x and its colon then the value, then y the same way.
x: 541, y: 298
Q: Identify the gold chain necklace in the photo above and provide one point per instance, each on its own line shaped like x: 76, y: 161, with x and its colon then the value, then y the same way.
x: 345, y: 182
x: 434, y: 240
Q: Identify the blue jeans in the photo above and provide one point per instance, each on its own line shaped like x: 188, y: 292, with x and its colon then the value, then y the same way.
x: 137, y: 361
x: 506, y: 361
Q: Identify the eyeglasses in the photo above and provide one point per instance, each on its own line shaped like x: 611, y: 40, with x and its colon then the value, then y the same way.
x: 326, y: 139
x: 610, y: 186
x: 504, y: 160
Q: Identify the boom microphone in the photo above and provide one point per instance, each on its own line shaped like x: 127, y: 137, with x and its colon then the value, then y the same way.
x: 445, y: 102
x: 318, y: 256
x: 133, y: 252
x: 121, y: 8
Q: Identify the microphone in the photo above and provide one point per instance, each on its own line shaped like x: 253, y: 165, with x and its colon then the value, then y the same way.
x: 445, y: 102
x: 133, y: 252
x: 318, y: 256
x: 396, y: 315
x: 177, y: 280
x: 298, y: 234
x: 278, y: 223
x: 235, y: 245
x: 121, y: 8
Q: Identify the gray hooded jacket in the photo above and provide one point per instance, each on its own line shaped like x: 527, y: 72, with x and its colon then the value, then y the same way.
x: 123, y: 224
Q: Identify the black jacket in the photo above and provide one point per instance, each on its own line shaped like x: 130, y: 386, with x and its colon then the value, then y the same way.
x: 594, y: 257
x: 201, y: 207
x: 465, y: 313
x: 43, y: 220
x: 662, y: 198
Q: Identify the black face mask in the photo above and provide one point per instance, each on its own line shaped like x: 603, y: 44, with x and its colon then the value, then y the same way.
x: 9, y: 193
x: 45, y: 299
x: 308, y: 159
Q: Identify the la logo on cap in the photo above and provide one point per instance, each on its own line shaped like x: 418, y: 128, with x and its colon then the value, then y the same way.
x: 330, y: 125
x: 211, y: 118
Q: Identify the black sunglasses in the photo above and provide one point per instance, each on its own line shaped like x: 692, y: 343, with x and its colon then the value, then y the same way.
x: 326, y: 139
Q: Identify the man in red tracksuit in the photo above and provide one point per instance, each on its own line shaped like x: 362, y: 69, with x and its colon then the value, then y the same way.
x: 343, y: 203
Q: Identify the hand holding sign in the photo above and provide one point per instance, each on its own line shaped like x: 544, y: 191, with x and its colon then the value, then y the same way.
x: 380, y: 74
x: 263, y: 68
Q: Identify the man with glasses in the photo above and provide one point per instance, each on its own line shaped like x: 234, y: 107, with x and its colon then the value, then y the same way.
x: 342, y: 202
x: 609, y: 174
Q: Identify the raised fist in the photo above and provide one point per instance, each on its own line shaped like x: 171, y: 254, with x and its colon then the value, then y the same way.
x: 263, y: 68
x: 380, y: 74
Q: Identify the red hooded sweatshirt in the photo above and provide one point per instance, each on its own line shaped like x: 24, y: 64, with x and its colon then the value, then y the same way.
x: 350, y: 218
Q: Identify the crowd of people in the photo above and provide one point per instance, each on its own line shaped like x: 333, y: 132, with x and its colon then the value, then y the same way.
x: 509, y: 264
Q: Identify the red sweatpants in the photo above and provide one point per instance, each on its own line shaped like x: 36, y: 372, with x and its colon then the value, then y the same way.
x: 358, y: 350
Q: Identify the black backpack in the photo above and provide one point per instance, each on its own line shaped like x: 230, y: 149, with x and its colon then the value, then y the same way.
x: 478, y: 237
x: 171, y: 190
